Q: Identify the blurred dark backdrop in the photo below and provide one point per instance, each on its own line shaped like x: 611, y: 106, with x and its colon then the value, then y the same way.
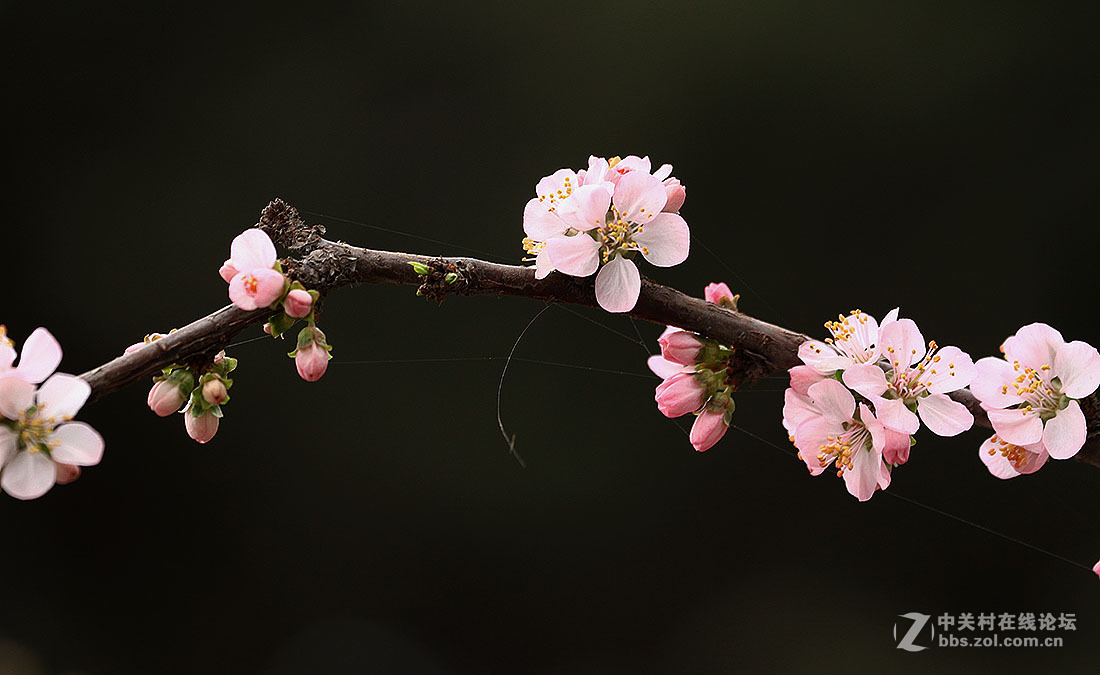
x: 937, y: 156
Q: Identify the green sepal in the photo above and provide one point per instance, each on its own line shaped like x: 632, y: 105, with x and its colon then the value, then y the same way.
x: 281, y: 323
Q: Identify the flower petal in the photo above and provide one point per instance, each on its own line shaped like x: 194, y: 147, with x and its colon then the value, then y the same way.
x: 62, y: 396
x: 833, y: 400
x: 1034, y: 345
x: 809, y: 438
x: 618, y: 285
x: 951, y: 369
x: 1065, y: 433
x: 539, y: 222
x: 1077, y: 365
x: 994, y: 383
x: 554, y: 185
x: 665, y: 240
x: 894, y: 415
x: 803, y: 377
x: 9, y: 443
x: 863, y: 478
x: 576, y: 256
x: 1016, y: 426
x: 868, y: 380
x: 639, y: 197
x: 943, y: 415
x: 797, y: 408
x: 586, y: 209
x: 901, y: 343
x: 664, y: 368
x: 252, y: 249
x: 78, y: 444
x: 822, y: 358
x: 40, y: 356
x: 543, y: 265
x: 28, y: 475
x: 16, y: 395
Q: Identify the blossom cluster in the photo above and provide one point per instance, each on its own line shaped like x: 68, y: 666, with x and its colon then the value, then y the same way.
x: 697, y: 377
x: 601, y: 218
x: 1032, y: 398
x: 863, y: 393
x: 256, y: 281
x: 199, y: 393
x: 40, y: 445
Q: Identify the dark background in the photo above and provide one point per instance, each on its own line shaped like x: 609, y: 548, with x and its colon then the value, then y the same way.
x: 937, y: 156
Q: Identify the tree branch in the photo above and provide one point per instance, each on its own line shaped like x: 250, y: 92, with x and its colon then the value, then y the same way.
x: 324, y: 265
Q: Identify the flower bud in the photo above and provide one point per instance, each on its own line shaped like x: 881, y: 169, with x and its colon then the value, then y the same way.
x: 679, y: 395
x: 709, y: 428
x: 169, y: 394
x: 312, y: 355
x: 676, y: 195
x: 298, y: 303
x: 680, y: 347
x: 201, y: 429
x: 213, y: 392
x: 66, y: 473
x: 719, y: 294
x: 227, y: 271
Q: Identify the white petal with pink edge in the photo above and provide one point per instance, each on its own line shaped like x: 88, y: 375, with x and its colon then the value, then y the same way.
x: 639, y: 197
x: 665, y: 241
x: 618, y: 285
x: 28, y: 475
x: 16, y: 395
x: 586, y: 209
x: 9, y: 443
x: 867, y: 380
x: 1034, y: 345
x: 943, y: 415
x: 539, y: 222
x: 40, y: 356
x: 252, y: 249
x: 994, y: 383
x: 866, y: 474
x: 1065, y: 433
x: 77, y: 444
x: 951, y: 369
x: 577, y: 256
x: 821, y: 357
x: 833, y: 400
x: 1017, y: 426
x: 1077, y: 365
x: 901, y: 343
x: 62, y: 396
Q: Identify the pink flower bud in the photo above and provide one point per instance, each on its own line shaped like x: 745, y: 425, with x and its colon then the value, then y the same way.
x: 679, y: 395
x: 66, y: 473
x: 716, y: 292
x: 1096, y: 569
x: 680, y: 347
x: 298, y: 303
x: 202, y: 429
x: 709, y: 428
x: 676, y: 195
x: 166, y: 397
x: 227, y: 271
x: 311, y: 361
x: 214, y: 392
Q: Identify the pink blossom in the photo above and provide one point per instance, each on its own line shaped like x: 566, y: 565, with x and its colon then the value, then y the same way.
x: 914, y: 376
x: 1032, y: 394
x: 826, y: 428
x: 604, y: 215
x: 201, y: 428
x: 854, y: 342
x: 255, y: 283
x: 298, y: 303
x: 680, y: 394
x: 39, y: 435
x: 680, y: 347
x: 1096, y: 569
x: 676, y: 195
x: 719, y: 294
x: 1005, y: 460
x: 709, y: 428
x: 40, y: 357
x: 227, y: 271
